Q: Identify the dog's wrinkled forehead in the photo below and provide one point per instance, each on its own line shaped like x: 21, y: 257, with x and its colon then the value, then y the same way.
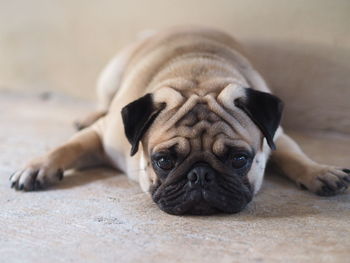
x: 202, y: 122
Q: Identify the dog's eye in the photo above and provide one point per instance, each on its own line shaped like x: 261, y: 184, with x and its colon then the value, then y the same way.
x: 165, y: 163
x: 239, y: 161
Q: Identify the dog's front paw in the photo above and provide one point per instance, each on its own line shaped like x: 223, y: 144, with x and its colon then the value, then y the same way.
x: 327, y: 180
x: 38, y: 174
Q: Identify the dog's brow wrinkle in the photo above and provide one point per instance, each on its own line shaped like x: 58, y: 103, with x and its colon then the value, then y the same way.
x: 199, y: 121
x: 203, y: 127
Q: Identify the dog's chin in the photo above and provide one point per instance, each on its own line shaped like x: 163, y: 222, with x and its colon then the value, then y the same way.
x: 203, y: 202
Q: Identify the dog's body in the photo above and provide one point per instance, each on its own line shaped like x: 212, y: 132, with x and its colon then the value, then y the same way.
x: 190, y: 97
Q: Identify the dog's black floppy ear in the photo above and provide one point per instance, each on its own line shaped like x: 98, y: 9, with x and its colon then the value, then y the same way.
x: 137, y: 117
x: 264, y: 109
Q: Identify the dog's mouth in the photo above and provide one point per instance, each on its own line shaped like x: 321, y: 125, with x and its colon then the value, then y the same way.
x: 201, y: 201
x: 200, y: 205
x: 203, y: 208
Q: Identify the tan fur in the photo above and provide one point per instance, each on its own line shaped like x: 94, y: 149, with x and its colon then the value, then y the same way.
x: 197, y: 72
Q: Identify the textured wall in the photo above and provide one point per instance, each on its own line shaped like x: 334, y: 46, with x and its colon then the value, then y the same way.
x: 302, y: 47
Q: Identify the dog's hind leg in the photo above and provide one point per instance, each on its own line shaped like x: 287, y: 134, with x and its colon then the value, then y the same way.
x: 109, y: 81
x: 110, y: 78
x: 107, y: 86
x: 321, y: 179
x: 89, y: 119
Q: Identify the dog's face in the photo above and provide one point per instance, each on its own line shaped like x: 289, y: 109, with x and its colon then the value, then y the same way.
x: 204, y: 151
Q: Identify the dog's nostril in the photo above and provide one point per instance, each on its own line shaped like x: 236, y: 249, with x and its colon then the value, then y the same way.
x: 209, y: 177
x: 192, y: 176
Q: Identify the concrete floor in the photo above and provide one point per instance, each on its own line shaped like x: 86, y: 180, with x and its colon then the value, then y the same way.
x: 100, y: 216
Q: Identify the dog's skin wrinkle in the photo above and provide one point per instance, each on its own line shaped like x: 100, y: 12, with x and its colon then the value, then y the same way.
x: 197, y: 126
x: 195, y: 120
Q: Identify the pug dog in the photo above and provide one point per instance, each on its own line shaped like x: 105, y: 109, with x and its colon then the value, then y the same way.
x: 184, y: 113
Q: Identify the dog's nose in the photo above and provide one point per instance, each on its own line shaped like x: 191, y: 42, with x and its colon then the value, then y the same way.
x: 201, y: 175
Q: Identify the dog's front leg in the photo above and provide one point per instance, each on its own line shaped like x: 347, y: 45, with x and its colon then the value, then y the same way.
x: 321, y: 179
x: 81, y: 151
